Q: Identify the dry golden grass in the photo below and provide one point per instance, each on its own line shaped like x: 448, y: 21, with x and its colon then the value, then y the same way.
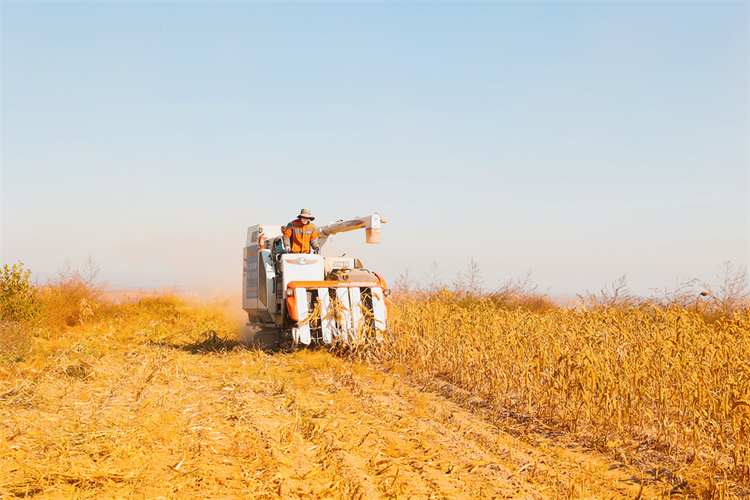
x: 15, y: 341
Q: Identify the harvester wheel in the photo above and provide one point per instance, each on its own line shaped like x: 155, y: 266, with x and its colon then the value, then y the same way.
x: 286, y: 342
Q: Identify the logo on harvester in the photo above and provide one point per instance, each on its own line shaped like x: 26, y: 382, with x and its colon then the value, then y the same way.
x: 302, y: 261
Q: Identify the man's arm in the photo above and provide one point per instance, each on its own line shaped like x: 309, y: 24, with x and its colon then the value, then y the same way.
x: 314, y: 241
x: 287, y: 234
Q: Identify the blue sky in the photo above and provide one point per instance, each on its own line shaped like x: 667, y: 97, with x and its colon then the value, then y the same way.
x: 582, y: 141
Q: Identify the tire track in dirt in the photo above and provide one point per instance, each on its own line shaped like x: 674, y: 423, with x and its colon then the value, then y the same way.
x: 161, y: 422
x: 377, y: 436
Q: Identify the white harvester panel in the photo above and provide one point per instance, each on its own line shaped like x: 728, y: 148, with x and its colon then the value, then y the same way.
x: 258, y: 276
x: 301, y: 333
x: 327, y: 319
x: 340, y: 262
x: 379, y: 312
x: 355, y: 306
x: 301, y: 267
x: 344, y: 327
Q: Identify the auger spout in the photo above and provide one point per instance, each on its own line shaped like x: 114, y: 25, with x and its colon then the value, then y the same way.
x: 370, y: 223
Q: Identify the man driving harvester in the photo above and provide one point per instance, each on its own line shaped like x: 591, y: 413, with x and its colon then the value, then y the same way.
x: 300, y: 235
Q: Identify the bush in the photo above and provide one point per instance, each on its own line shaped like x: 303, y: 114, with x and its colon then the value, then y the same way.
x: 467, y: 290
x: 18, y: 298
x: 73, y: 298
x: 522, y: 293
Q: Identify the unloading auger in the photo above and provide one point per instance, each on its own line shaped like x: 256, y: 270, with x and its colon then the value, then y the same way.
x: 308, y: 297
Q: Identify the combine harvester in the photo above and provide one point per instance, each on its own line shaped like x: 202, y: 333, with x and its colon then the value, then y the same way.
x: 310, y: 298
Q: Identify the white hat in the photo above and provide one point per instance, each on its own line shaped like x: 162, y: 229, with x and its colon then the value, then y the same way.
x: 306, y: 213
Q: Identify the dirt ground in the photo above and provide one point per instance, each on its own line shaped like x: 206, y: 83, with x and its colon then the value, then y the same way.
x: 161, y: 421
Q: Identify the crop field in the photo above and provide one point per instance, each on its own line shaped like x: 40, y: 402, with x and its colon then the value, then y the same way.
x: 467, y: 397
x: 655, y: 387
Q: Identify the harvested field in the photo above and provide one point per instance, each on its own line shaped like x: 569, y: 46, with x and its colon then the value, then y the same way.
x: 165, y: 421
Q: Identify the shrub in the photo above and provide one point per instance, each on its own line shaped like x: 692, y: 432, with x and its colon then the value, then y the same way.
x: 19, y: 306
x: 467, y: 290
x: 73, y: 298
x: 18, y: 298
x: 522, y: 293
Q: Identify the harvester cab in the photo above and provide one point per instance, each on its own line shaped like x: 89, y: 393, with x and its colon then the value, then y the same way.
x: 308, y: 297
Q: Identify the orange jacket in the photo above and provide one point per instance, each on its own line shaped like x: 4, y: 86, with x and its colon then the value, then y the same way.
x: 301, y: 237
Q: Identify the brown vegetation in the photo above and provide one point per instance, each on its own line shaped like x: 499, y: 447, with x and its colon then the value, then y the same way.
x: 473, y: 394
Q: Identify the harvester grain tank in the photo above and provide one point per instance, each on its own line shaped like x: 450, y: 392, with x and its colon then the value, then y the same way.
x: 308, y: 297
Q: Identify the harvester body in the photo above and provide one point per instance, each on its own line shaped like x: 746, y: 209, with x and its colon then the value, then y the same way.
x: 308, y: 297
